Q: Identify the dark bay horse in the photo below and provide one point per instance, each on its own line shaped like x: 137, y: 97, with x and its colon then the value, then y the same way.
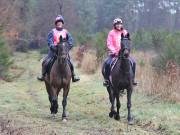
x: 121, y: 78
x: 59, y: 78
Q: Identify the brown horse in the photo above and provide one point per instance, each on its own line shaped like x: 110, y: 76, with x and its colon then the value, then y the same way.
x: 59, y: 78
x: 121, y: 78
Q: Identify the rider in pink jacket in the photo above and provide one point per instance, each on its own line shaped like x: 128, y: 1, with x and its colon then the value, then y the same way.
x: 114, y: 40
x: 114, y: 46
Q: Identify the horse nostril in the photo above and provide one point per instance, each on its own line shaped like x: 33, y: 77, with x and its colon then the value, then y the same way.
x: 63, y: 58
x: 126, y: 53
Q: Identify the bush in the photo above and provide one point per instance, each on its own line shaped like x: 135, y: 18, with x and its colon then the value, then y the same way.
x: 4, y: 58
x: 82, y: 38
x: 168, y: 50
x: 100, y: 44
x: 44, y: 50
x: 165, y: 85
x: 142, y: 40
x: 22, y: 46
x: 89, y: 63
x: 159, y: 39
x: 166, y: 44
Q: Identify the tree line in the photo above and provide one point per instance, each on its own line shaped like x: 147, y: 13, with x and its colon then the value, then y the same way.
x: 25, y: 24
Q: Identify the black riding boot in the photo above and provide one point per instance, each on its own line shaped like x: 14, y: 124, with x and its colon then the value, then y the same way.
x: 47, y: 63
x: 74, y: 77
x: 106, y: 75
x: 41, y: 78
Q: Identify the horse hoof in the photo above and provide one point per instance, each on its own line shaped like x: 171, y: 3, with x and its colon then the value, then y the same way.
x: 64, y: 120
x: 53, y: 116
x: 116, y: 117
x: 111, y: 114
x: 130, y: 121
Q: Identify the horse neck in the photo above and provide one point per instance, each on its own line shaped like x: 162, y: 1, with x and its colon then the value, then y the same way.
x: 61, y: 67
x: 124, y: 65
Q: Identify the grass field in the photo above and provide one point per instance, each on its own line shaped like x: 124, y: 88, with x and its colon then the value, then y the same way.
x: 24, y: 108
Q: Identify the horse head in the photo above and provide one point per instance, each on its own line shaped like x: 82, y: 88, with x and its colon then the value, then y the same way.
x: 62, y: 51
x: 124, y: 53
x: 125, y: 46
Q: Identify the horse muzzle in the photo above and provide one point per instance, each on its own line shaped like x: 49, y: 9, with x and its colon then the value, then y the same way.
x: 126, y: 53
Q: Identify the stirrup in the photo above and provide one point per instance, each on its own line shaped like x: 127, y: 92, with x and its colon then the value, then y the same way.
x: 106, y: 83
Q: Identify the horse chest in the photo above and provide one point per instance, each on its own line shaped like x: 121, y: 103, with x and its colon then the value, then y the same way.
x: 59, y: 80
x: 120, y: 80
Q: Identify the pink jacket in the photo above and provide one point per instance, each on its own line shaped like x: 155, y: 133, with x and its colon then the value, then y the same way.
x: 114, y: 41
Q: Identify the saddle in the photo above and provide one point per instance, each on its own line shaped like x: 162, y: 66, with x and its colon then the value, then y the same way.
x: 113, y: 63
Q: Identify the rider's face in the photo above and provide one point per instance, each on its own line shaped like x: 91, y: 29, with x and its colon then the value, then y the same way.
x: 59, y: 24
x: 118, y: 26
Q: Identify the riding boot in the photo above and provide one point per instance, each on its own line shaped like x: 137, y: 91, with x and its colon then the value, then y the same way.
x: 75, y: 78
x: 106, y: 82
x: 41, y: 78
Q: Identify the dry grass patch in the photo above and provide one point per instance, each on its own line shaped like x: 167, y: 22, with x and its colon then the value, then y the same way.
x: 89, y: 63
x: 164, y: 85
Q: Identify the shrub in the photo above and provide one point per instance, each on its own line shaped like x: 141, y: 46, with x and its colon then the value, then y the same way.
x: 89, y: 63
x: 161, y: 85
x: 44, y: 50
x: 169, y: 51
x: 100, y: 44
x: 142, y: 40
x: 82, y: 38
x: 4, y: 58
x: 22, y: 46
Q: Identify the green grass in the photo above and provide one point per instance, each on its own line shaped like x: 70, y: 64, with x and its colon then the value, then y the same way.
x: 24, y: 102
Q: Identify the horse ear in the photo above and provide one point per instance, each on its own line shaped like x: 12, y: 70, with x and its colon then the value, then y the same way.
x: 122, y: 35
x: 128, y: 35
x: 60, y: 39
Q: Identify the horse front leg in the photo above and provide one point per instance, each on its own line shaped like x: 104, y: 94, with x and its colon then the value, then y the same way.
x: 64, y: 103
x: 129, y: 93
x: 112, y: 100
x: 118, y: 105
x: 54, y: 101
